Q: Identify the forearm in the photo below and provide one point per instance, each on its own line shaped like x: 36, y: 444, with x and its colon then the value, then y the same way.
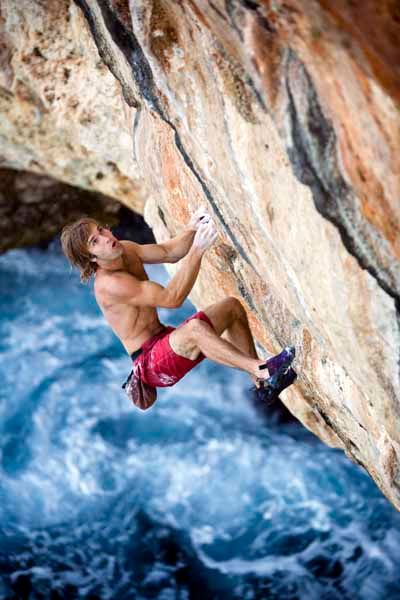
x: 180, y: 245
x: 183, y: 281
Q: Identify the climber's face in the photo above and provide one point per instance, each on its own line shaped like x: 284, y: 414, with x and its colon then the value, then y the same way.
x: 102, y: 245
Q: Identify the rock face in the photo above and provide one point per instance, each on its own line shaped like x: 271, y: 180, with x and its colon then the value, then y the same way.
x: 282, y: 119
x: 63, y: 113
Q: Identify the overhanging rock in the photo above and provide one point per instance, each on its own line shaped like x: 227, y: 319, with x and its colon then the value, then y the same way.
x: 282, y: 120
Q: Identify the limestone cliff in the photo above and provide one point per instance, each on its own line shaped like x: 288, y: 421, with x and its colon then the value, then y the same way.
x: 62, y: 111
x: 282, y: 118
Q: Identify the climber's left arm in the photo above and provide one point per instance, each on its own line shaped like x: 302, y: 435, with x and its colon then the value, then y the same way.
x: 166, y: 252
x: 172, y: 250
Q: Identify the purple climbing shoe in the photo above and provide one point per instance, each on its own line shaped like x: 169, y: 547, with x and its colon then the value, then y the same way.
x: 283, y: 359
x: 269, y: 392
x: 281, y: 375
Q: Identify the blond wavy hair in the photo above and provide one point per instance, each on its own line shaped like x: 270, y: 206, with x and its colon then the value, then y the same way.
x: 74, y: 242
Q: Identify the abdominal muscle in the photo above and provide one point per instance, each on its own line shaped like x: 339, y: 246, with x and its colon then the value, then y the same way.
x: 132, y: 325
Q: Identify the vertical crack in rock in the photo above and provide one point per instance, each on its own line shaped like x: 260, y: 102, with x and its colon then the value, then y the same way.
x: 128, y: 45
x: 245, y: 294
x: 231, y: 8
x: 234, y: 11
x: 314, y: 162
x: 105, y: 54
x: 143, y: 76
x: 134, y: 129
x: 218, y: 11
x: 313, y: 156
x: 211, y: 200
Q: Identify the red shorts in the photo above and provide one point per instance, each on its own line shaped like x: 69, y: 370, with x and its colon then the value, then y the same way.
x: 158, y: 365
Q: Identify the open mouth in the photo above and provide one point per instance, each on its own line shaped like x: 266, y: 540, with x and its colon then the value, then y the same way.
x: 114, y: 244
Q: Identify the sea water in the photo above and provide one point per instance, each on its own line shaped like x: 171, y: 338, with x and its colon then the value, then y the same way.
x: 199, y: 497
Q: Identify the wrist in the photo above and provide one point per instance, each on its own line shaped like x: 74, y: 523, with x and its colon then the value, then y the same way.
x: 196, y: 251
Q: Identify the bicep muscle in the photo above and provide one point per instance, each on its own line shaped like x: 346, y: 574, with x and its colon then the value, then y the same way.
x: 132, y: 291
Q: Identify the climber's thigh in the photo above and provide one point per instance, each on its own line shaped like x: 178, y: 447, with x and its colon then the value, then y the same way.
x: 185, y: 340
x: 223, y: 313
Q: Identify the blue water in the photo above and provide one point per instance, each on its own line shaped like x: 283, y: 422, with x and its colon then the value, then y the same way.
x: 200, y: 497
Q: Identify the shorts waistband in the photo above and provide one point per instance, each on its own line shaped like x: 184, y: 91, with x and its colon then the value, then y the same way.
x: 135, y: 354
x: 138, y: 352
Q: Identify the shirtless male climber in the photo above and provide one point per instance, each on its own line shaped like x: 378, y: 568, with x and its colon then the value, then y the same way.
x: 162, y: 355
